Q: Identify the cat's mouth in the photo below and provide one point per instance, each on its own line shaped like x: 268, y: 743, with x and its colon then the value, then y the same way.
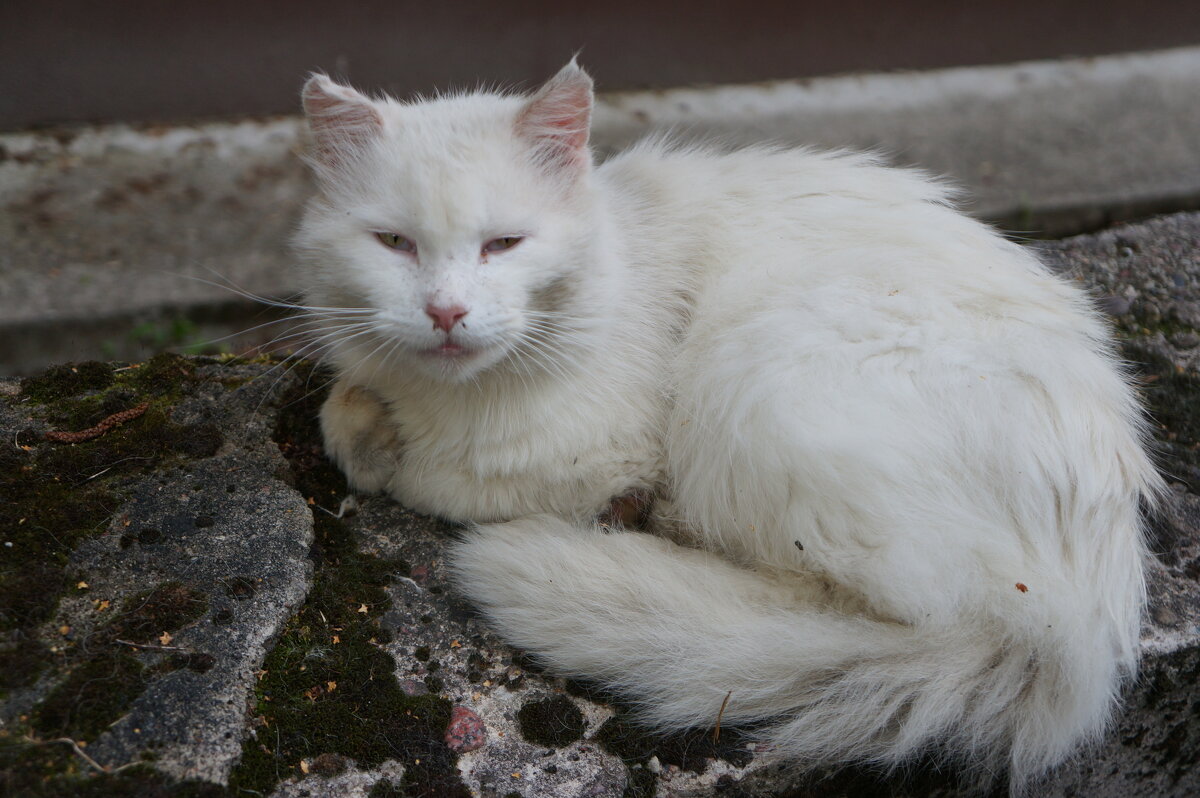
x: 450, y: 350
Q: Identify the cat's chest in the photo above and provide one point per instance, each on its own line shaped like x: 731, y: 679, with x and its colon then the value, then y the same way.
x: 496, y: 461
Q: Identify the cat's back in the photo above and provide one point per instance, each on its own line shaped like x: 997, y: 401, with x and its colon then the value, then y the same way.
x: 745, y: 192
x: 801, y: 216
x: 785, y: 226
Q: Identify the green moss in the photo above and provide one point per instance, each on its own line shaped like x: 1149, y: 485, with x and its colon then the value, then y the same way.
x: 69, y: 379
x: 552, y: 722
x: 53, y: 770
x: 43, y: 521
x: 641, y: 783
x: 166, y: 608
x: 164, y: 375
x: 21, y: 662
x: 93, y: 696
x: 688, y: 750
x: 329, y: 687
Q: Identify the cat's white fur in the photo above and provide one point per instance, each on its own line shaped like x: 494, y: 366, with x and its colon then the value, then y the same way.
x: 896, y: 461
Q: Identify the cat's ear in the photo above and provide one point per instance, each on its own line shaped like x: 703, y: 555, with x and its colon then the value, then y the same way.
x: 343, y: 122
x: 557, y: 119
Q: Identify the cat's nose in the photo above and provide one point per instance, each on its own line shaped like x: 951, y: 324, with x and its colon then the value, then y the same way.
x: 445, y: 318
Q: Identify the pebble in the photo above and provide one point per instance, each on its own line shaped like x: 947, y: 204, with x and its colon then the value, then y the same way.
x: 1115, y: 305
x: 466, y: 731
x: 414, y: 687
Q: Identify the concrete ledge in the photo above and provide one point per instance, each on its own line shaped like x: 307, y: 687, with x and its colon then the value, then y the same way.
x: 102, y: 226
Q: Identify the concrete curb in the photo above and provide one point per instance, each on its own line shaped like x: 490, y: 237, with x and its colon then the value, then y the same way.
x: 102, y: 226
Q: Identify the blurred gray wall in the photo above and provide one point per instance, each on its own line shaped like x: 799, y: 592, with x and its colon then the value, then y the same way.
x: 84, y: 60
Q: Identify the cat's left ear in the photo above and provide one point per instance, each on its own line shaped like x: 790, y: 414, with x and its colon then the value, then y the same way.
x: 343, y: 122
x: 557, y: 119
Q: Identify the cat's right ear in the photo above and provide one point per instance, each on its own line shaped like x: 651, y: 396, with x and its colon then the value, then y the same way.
x: 343, y: 122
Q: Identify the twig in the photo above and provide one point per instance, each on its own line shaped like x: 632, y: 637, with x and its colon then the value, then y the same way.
x: 75, y: 746
x: 721, y: 712
x: 116, y: 419
x: 148, y: 647
x: 78, y: 750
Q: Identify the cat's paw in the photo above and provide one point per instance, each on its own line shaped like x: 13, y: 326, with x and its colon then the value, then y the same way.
x: 359, y: 437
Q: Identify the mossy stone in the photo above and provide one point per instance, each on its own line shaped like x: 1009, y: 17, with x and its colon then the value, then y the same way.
x: 552, y: 722
x: 687, y: 750
x: 93, y: 696
x: 329, y: 688
x: 69, y: 379
x: 166, y: 608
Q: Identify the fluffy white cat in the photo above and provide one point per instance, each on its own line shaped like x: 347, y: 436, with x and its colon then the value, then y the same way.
x: 895, y: 466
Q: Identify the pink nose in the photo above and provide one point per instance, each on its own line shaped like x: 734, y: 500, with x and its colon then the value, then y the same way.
x: 445, y: 318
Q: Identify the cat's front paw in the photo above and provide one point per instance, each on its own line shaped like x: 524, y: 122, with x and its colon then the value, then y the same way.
x: 359, y: 437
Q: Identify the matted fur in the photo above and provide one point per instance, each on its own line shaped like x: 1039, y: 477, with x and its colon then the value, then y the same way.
x: 898, y: 464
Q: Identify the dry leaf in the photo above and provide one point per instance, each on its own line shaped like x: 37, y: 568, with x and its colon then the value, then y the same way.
x: 81, y: 586
x: 336, y: 640
x: 363, y: 608
x: 330, y: 686
x: 304, y: 766
x: 165, y: 638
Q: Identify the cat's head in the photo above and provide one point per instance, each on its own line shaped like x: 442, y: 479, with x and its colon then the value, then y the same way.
x: 449, y: 235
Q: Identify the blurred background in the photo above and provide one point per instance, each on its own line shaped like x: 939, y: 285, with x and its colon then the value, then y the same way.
x: 147, y: 149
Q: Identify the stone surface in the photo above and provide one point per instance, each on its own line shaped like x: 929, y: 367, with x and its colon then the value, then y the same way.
x: 311, y: 655
x: 192, y: 576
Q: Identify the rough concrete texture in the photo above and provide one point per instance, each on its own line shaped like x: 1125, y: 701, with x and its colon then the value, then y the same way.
x: 220, y: 523
x: 104, y: 226
x: 246, y: 549
x: 192, y: 574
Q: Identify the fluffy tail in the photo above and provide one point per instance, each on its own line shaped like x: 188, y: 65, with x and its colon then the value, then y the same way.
x: 678, y: 630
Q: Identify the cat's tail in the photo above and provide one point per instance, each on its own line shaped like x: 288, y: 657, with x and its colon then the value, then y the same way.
x: 694, y: 640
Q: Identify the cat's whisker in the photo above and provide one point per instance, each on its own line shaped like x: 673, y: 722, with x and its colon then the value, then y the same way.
x: 326, y: 330
x: 291, y: 361
x: 540, y: 354
x: 387, y: 340
x: 316, y: 345
x: 279, y: 303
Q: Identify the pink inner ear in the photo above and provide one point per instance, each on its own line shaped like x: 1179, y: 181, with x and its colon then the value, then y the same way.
x: 558, y: 117
x: 567, y: 114
x: 343, y: 121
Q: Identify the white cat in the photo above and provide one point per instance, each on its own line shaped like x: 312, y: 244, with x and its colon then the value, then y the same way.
x: 896, y: 467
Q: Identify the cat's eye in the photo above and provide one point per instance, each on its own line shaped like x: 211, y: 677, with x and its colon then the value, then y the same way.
x: 396, y: 241
x: 502, y: 243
